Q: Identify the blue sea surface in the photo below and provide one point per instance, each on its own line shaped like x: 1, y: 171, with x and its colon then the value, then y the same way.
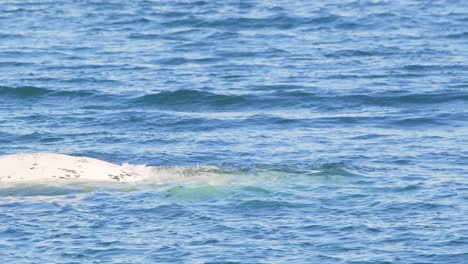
x: 285, y: 131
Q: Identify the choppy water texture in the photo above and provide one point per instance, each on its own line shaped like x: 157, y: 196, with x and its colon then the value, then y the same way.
x: 337, y: 130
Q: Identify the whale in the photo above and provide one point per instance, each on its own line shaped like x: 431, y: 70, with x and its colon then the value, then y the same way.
x: 34, y: 167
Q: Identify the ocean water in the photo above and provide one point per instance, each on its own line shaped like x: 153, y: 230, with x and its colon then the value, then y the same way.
x: 277, y: 131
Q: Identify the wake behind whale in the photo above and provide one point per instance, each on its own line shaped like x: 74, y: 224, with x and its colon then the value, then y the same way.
x: 46, y: 167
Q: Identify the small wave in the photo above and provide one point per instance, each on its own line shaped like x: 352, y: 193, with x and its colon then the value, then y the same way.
x: 354, y: 53
x: 144, y: 36
x: 11, y: 36
x: 202, y: 100
x: 23, y: 91
x: 181, y: 61
x: 397, y: 99
x: 380, y: 99
x: 79, y: 93
x: 41, y: 137
x: 277, y: 21
x: 255, y: 205
x: 224, y: 35
x: 44, y: 189
x: 38, y: 92
x: 190, y: 98
x: 250, y: 54
x: 137, y: 21
x: 283, y: 97
x: 349, y: 25
x: 90, y: 81
x: 205, y: 100
x: 8, y: 64
x: 323, y: 19
x: 420, y: 122
x: 462, y: 35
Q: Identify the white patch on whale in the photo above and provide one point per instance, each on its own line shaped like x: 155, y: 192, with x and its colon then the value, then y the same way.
x: 50, y: 166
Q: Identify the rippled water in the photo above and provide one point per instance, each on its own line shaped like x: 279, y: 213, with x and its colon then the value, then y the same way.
x: 334, y: 131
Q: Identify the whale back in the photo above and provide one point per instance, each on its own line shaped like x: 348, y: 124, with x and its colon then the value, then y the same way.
x: 51, y: 166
